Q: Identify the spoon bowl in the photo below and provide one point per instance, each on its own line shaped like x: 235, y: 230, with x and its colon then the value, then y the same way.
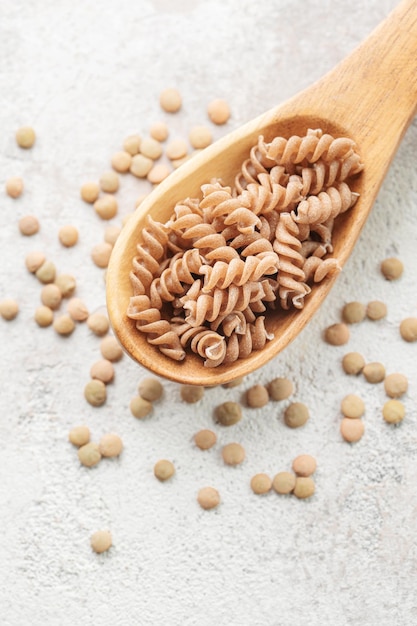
x: 370, y: 97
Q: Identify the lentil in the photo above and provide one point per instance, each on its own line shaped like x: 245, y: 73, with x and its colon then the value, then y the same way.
x: 257, y: 396
x: 14, y: 187
x: 64, y: 325
x: 233, y: 454
x: 352, y: 406
x: 90, y: 191
x: 29, y: 225
x: 158, y: 173
x: 106, y: 207
x: 191, y: 393
x: 170, y: 100
x: 393, y: 411
x: 176, y: 149
x: 283, y: 482
x: 111, y: 234
x: 34, y: 260
x: 353, y: 363
x: 205, y: 439
x: 89, y: 454
x: 102, y: 370
x: 121, y: 161
x: 296, y: 414
x: 132, y: 144
x: 44, y: 316
x: 280, y: 388
x: 79, y: 435
x: 110, y: 445
x: 374, y: 372
x: 408, y: 329
x: 98, y: 323
x: 200, y: 137
x: 395, y: 385
x: 141, y: 166
x: 337, y: 334
x: 101, y: 541
x: 51, y: 296
x: 77, y: 310
x: 228, y: 413
x: 304, y: 465
x: 109, y: 182
x: 234, y: 383
x: 218, y: 111
x: 159, y: 131
x: 139, y: 407
x: 95, y: 392
x: 353, y: 312
x: 208, y: 498
x: 352, y: 430
x: 25, y: 137
x: 9, y: 309
x: 101, y: 253
x: 163, y: 470
x: 304, y: 487
x: 68, y: 236
x: 151, y: 148
x: 66, y: 284
x: 150, y: 389
x: 111, y: 349
x: 376, y: 310
x: 260, y: 484
x: 392, y: 268
x: 46, y: 272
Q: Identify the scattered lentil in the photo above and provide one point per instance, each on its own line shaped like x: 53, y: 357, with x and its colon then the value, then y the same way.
x: 9, y: 309
x: 132, y: 144
x: 158, y: 173
x: 29, y: 225
x: 159, y: 131
x: 139, y: 407
x: 228, y: 413
x: 176, y: 149
x: 89, y: 454
x: 44, y: 316
x: 51, y: 296
x: 101, y: 253
x: 376, y: 310
x: 66, y: 284
x: 98, y: 323
x: 233, y: 454
x: 150, y: 389
x: 284, y: 482
x: 106, y: 207
x: 90, y: 191
x: 110, y: 445
x: 352, y: 430
x: 395, y: 385
x: 218, y: 111
x: 208, y: 498
x: 64, y: 325
x: 77, y: 310
x: 121, y: 161
x: 95, y: 392
x: 234, y: 383
x: 304, y: 465
x: 111, y: 349
x: 205, y: 439
x: 260, y: 484
x: 352, y: 406
x: 393, y: 411
x: 109, y: 182
x: 296, y: 414
x: 34, y: 260
x: 170, y: 100
x: 141, y: 166
x: 101, y: 541
x: 102, y: 370
x: 46, y: 273
x: 25, y: 137
x: 111, y: 234
x: 353, y: 312
x: 374, y: 372
x: 14, y: 186
x: 68, y: 235
x: 257, y: 396
x: 151, y: 148
x: 304, y: 487
x: 392, y: 268
x: 79, y: 435
x: 163, y: 470
x: 191, y: 393
x: 408, y: 329
x: 280, y: 388
x: 353, y: 363
x: 200, y: 137
x: 337, y: 334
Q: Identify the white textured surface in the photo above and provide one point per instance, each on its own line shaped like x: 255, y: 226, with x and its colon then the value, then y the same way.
x: 86, y: 75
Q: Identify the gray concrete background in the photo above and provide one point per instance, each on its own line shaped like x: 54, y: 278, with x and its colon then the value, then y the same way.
x: 85, y: 75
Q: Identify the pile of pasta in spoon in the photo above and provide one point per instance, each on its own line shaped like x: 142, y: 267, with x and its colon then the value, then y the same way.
x: 203, y: 280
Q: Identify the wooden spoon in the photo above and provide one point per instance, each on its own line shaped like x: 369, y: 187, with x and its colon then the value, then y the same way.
x: 370, y: 97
